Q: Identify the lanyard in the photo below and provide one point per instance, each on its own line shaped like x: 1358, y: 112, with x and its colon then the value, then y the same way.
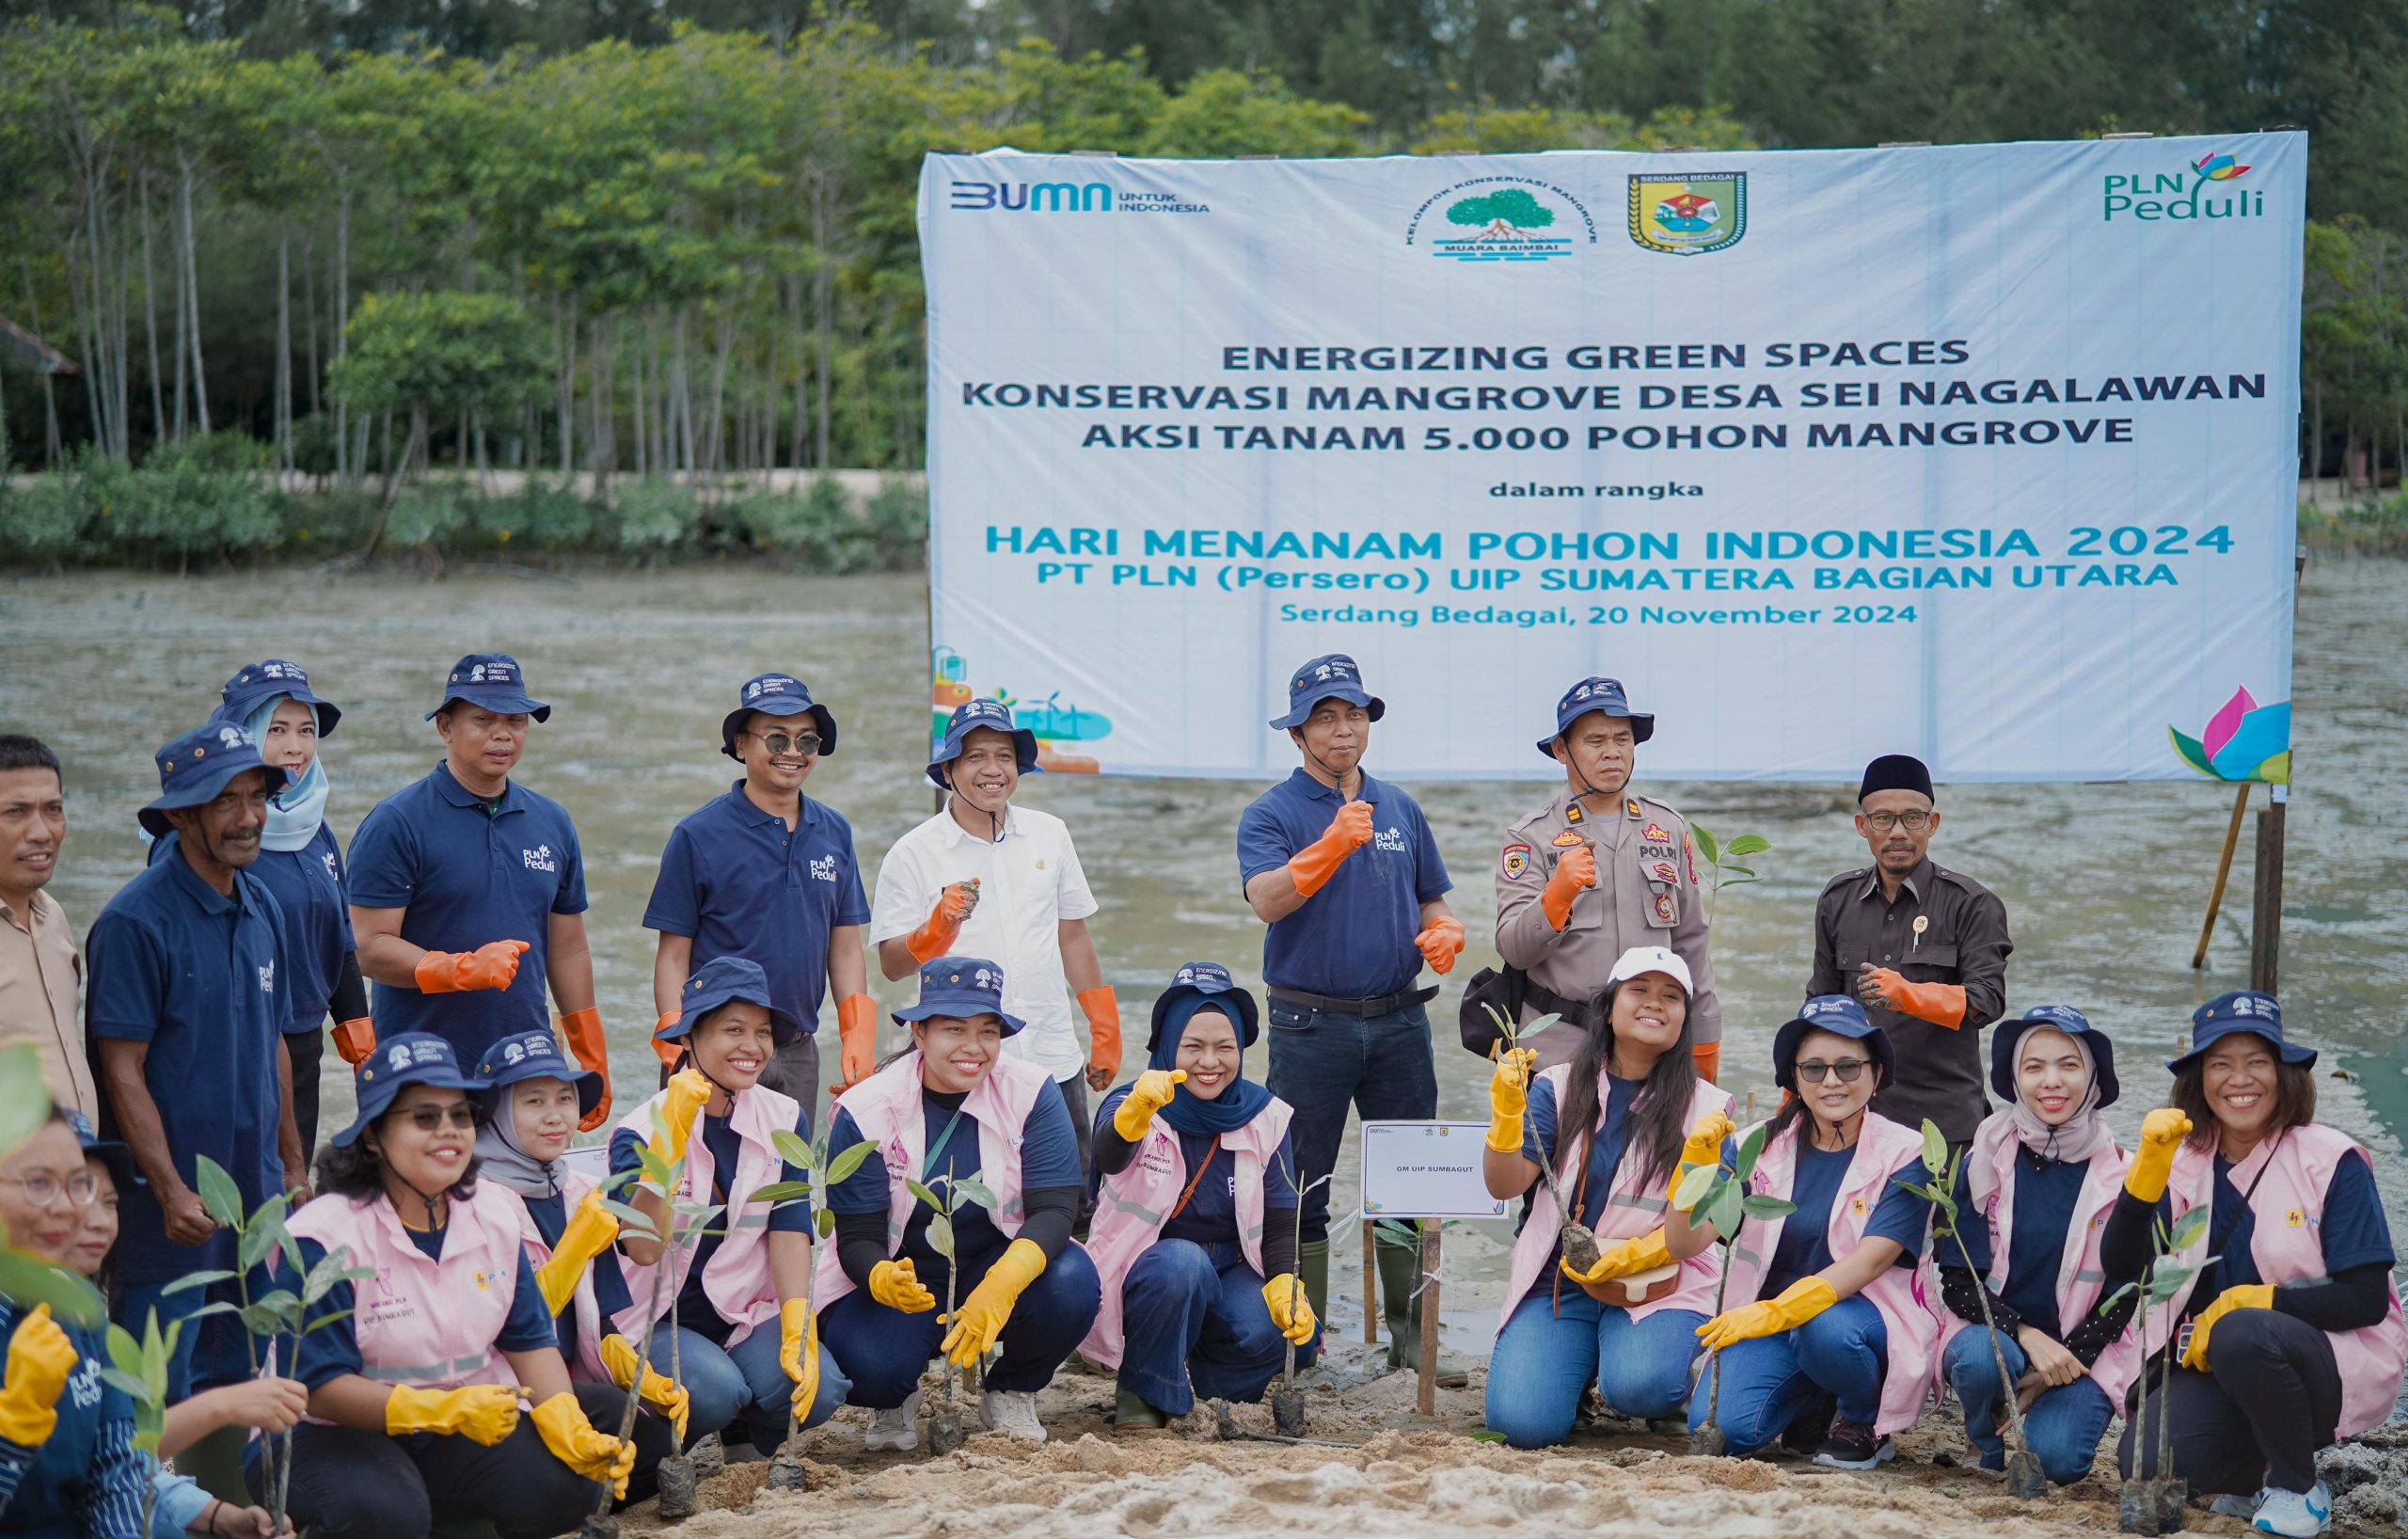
x: 929, y: 1164
x: 1202, y: 1166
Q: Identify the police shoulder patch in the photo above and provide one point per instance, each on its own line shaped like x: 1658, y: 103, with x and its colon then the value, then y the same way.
x: 1514, y: 861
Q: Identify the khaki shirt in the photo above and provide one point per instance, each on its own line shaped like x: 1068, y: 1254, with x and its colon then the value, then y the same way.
x: 1647, y: 894
x: 39, y: 975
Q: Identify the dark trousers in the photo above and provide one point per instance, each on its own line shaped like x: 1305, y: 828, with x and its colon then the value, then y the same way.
x: 883, y: 1351
x: 348, y: 1484
x: 794, y: 1071
x: 306, y: 1049
x: 1322, y: 1063
x: 2271, y: 1400
x: 1195, y: 1323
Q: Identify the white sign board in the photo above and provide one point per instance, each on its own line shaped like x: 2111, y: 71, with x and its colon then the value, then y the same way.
x: 1426, y: 1170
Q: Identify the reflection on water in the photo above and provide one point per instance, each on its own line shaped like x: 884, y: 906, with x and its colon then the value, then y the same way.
x: 2104, y: 884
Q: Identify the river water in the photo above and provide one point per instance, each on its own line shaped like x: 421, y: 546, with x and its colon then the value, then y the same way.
x: 2105, y: 884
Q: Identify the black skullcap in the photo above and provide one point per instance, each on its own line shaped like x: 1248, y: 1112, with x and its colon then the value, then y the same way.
x: 1894, y: 773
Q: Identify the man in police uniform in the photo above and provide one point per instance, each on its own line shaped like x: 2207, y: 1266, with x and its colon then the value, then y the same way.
x: 1596, y: 871
x: 1923, y: 947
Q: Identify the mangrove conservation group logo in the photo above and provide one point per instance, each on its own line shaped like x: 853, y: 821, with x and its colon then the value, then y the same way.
x: 1689, y: 215
x: 1501, y: 218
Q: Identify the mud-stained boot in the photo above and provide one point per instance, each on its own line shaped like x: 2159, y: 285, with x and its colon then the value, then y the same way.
x: 1312, y: 1270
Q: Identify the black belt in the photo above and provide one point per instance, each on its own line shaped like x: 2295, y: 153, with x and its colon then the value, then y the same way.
x: 1375, y: 1004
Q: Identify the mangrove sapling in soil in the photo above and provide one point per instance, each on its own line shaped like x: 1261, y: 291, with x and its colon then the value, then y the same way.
x: 2024, y: 1478
x: 2152, y: 1503
x: 946, y: 1195
x: 1721, y: 1198
x: 820, y: 1175
x: 1581, y: 1247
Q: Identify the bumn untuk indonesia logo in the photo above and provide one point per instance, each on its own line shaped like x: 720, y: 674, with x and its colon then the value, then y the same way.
x: 1689, y: 215
x: 1503, y: 218
x: 2204, y: 191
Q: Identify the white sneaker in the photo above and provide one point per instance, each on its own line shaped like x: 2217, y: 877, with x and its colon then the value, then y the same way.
x: 2233, y: 1506
x: 894, y: 1430
x: 1011, y: 1412
x: 2294, y: 1515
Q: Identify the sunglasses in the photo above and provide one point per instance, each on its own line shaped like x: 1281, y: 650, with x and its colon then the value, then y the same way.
x: 461, y: 1113
x: 1814, y: 1070
x: 805, y: 743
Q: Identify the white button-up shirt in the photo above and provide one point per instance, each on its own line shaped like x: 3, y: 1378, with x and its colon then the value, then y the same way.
x: 1027, y: 885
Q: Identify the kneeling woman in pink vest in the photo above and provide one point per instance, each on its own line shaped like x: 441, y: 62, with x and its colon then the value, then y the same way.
x: 1629, y: 1094
x: 2295, y: 1338
x: 1841, y: 1321
x: 745, y: 1345
x: 415, y: 1385
x: 2032, y: 1196
x: 954, y: 1107
x: 1195, y: 1230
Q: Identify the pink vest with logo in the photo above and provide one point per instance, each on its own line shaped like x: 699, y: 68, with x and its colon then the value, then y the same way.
x: 1133, y: 1206
x: 887, y: 1108
x: 582, y: 1308
x: 1904, y: 1298
x: 1635, y: 1206
x: 2287, y: 1241
x: 2081, y: 1277
x: 736, y: 1278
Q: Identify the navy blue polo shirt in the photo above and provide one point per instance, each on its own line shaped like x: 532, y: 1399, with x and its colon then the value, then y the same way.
x: 1353, y: 939
x: 695, y: 1310
x: 737, y: 884
x: 1049, y: 1156
x: 201, y: 980
x: 466, y: 872
x: 1805, y: 1245
x: 2352, y: 1230
x: 2044, y: 1194
x: 307, y: 885
x: 87, y: 1478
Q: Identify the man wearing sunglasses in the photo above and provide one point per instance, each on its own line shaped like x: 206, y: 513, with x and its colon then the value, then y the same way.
x: 765, y: 872
x: 1923, y: 947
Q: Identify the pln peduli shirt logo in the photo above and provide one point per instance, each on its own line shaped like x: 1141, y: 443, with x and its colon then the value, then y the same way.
x: 2205, y: 192
x: 1501, y: 218
x: 1689, y: 215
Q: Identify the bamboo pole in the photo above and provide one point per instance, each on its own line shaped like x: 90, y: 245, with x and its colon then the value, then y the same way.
x: 2224, y: 872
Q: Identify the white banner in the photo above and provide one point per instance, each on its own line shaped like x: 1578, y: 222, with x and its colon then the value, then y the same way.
x: 1984, y: 452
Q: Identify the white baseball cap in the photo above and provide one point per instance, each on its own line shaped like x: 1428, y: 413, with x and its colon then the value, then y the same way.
x: 1652, y: 958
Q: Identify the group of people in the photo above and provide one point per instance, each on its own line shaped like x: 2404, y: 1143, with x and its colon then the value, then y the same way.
x: 507, y: 1333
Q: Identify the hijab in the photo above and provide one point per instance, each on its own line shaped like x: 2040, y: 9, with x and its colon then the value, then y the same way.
x: 295, y: 813
x: 508, y: 1162
x: 1240, y: 1102
x: 2075, y: 1141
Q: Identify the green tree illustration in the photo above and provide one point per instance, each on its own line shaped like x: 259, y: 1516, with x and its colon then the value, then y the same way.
x: 1507, y: 209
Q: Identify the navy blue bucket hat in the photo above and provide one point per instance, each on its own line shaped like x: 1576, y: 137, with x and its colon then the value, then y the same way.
x: 723, y: 980
x: 994, y: 716
x: 533, y: 1054
x: 1210, y: 983
x: 195, y: 767
x: 490, y: 681
x: 2006, y: 1040
x: 119, y: 1158
x: 2243, y: 1009
x: 960, y: 987
x: 255, y: 686
x: 1841, y: 1016
x: 397, y: 1062
x: 776, y: 694
x: 1330, y: 677
x: 1596, y: 695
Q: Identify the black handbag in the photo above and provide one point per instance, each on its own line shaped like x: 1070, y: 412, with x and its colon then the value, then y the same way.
x: 1489, y: 987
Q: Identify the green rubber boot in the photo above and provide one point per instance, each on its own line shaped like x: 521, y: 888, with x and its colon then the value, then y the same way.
x: 1312, y: 1270
x: 1396, y: 1250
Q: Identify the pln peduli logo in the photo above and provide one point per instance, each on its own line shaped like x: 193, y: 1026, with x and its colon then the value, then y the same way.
x: 1502, y: 219
x: 1689, y: 215
x: 2204, y: 191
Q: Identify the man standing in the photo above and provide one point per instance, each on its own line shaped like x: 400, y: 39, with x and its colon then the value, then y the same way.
x: 767, y: 873
x: 985, y: 878
x: 1923, y: 947
x: 187, y: 1020
x: 1345, y: 872
x: 457, y: 877
x: 40, y: 970
x: 1596, y: 871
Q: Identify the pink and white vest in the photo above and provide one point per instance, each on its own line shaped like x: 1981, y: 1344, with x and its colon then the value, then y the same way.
x: 887, y: 1108
x: 1636, y: 1205
x: 1904, y: 1299
x: 2287, y: 1241
x: 1131, y: 1207
x: 582, y: 1306
x: 2081, y: 1276
x: 737, y: 1279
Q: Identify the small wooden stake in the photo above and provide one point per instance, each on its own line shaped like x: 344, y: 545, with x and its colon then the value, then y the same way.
x: 2223, y: 871
x: 1425, y: 1394
x: 1370, y: 1286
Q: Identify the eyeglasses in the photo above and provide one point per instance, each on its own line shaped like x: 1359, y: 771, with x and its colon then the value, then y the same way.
x: 42, y: 1189
x: 1915, y: 821
x: 778, y: 742
x: 460, y: 1114
x: 1814, y: 1070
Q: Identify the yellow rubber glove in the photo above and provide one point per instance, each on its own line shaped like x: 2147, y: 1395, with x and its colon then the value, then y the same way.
x: 981, y: 1317
x: 1798, y: 1303
x: 482, y: 1413
x: 2247, y: 1295
x: 896, y: 1285
x: 560, y: 1421
x: 657, y: 1391
x: 588, y: 1233
x: 798, y: 1350
x: 1643, y: 1254
x: 2162, y: 1133
x: 40, y: 1356
x: 1291, y: 1310
x: 1509, y: 1097
x: 1150, y: 1094
x: 680, y: 1105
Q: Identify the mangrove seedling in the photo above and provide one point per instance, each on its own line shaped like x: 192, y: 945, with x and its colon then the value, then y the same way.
x: 1722, y: 859
x: 1719, y: 1196
x: 820, y: 1175
x: 2024, y: 1478
x: 1288, y: 1402
x: 2153, y: 1504
x: 1581, y: 1247
x: 945, y: 1195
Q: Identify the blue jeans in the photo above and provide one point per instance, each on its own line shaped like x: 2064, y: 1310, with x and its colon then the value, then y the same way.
x: 1193, y: 1323
x: 2063, y: 1426
x: 1770, y: 1381
x: 882, y: 1350
x: 1321, y: 1063
x: 1551, y: 1349
x: 744, y: 1380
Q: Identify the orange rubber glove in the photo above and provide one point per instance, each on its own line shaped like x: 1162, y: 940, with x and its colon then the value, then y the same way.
x: 667, y: 1049
x: 492, y: 965
x: 1575, y: 869
x: 1708, y: 1056
x: 354, y: 1040
x: 583, y: 1029
x: 1313, y: 865
x: 935, y: 938
x: 857, y: 1040
x: 1941, y: 1003
x: 1104, y: 1035
x: 1441, y: 943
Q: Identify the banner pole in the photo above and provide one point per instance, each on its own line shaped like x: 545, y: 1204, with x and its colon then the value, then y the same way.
x: 2266, y: 920
x: 1425, y: 1393
x: 2224, y: 871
